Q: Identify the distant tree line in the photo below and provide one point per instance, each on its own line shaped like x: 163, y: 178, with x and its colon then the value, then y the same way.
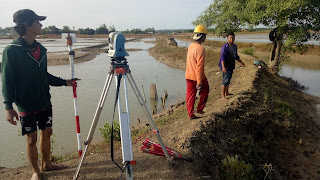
x: 174, y: 31
x: 103, y: 29
x: 139, y: 31
x: 6, y: 31
x: 294, y: 21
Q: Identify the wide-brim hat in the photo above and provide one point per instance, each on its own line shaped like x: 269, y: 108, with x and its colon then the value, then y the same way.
x: 26, y: 15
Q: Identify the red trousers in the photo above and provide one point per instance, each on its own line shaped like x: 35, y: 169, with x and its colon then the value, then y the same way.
x: 191, y: 95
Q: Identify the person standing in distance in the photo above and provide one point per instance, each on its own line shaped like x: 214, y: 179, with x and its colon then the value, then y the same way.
x: 195, y: 76
x: 69, y: 40
x: 25, y: 81
x: 229, y: 54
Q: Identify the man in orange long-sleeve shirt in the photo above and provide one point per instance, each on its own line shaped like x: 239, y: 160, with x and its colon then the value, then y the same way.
x: 195, y: 77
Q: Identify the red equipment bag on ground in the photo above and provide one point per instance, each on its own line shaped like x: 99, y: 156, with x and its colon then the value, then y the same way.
x: 153, y: 148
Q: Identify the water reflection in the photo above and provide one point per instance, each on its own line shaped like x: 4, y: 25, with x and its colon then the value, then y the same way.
x: 182, y: 43
x: 306, y: 77
x: 254, y: 38
x: 93, y: 74
x: 56, y: 45
x: 304, y: 65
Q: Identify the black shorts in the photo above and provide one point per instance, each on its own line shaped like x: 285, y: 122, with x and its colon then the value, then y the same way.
x: 30, y: 122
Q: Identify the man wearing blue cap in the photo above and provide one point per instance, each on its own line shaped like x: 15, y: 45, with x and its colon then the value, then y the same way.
x: 25, y: 81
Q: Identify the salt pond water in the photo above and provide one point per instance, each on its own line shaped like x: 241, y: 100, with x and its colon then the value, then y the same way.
x: 145, y: 70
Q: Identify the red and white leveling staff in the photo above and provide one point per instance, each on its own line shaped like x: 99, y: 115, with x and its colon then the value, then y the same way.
x: 70, y: 41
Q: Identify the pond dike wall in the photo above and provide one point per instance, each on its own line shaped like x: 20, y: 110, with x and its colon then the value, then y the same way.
x: 268, y: 123
x: 272, y: 123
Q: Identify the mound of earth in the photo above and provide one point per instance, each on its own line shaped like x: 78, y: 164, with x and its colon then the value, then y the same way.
x: 269, y: 124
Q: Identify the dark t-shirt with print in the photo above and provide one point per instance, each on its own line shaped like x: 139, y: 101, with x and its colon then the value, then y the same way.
x: 231, y: 57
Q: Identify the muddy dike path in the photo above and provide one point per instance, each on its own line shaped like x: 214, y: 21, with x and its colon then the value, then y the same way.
x: 268, y: 129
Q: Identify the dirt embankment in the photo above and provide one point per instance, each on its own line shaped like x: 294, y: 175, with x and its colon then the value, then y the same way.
x: 269, y: 124
x: 81, y: 55
x: 267, y: 121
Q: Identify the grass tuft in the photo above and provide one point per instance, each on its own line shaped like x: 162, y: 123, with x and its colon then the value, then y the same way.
x: 248, y: 51
x: 235, y: 168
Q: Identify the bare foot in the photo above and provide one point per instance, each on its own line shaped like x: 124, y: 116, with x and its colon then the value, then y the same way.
x: 36, y: 176
x: 53, y: 167
x: 224, y: 99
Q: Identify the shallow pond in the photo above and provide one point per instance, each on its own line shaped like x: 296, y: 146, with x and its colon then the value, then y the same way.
x: 254, y: 38
x: 306, y: 76
x: 145, y: 70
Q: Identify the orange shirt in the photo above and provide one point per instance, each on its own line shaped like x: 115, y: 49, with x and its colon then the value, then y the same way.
x: 69, y: 40
x: 195, y: 63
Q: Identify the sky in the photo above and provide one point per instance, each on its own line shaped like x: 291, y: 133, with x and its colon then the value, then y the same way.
x: 123, y: 14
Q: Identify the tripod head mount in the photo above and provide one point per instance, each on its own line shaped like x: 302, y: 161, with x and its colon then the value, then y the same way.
x: 119, y: 63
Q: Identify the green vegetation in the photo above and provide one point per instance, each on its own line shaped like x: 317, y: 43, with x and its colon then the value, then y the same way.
x: 177, y: 114
x: 266, y: 92
x: 285, y: 114
x: 233, y: 168
x: 103, y: 29
x: 253, y: 131
x: 230, y: 15
x: 106, y: 131
x: 244, y: 45
x: 295, y: 20
x: 6, y: 31
x: 136, y: 133
x: 64, y: 158
x: 139, y: 31
x: 285, y: 108
x: 174, y: 31
x: 246, y: 145
x: 248, y: 51
x: 52, y: 30
x: 256, y: 130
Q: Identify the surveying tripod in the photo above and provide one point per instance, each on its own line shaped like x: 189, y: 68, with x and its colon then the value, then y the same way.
x: 119, y: 68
